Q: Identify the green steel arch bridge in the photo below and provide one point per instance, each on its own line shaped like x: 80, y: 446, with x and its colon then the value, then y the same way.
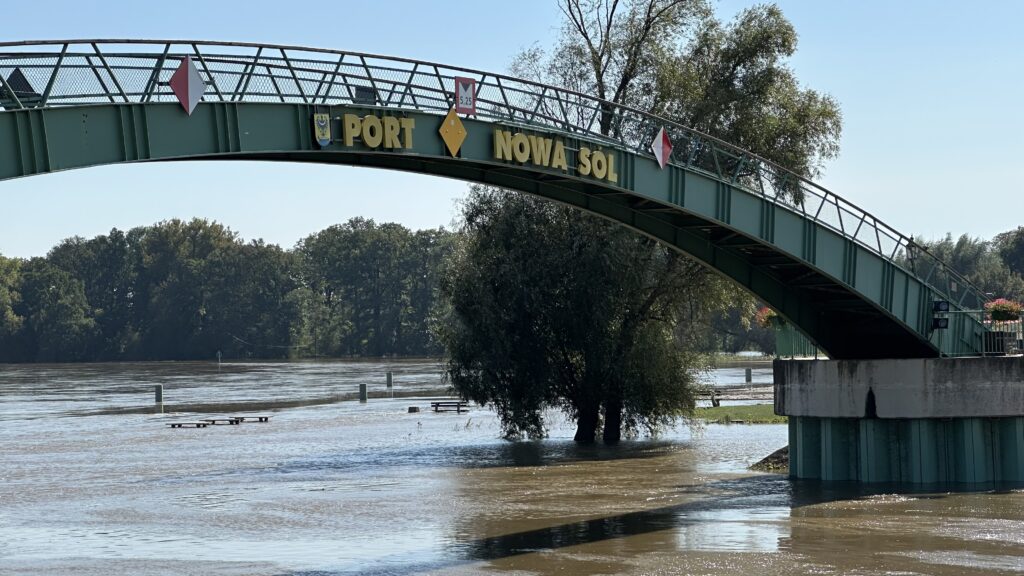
x: 857, y: 288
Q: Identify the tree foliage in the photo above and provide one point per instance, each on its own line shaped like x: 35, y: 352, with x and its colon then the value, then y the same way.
x: 551, y: 308
x: 187, y: 290
x: 56, y: 313
x: 673, y: 58
x: 732, y: 82
x: 980, y: 262
x: 10, y: 322
x: 373, y: 287
x: 1011, y: 247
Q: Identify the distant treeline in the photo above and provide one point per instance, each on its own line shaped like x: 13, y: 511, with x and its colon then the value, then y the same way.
x: 995, y: 266
x: 188, y: 290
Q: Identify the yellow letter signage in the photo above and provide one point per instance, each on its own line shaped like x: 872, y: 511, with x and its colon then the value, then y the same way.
x: 549, y: 152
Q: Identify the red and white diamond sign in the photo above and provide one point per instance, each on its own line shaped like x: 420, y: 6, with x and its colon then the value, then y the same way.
x: 188, y: 85
x: 662, y: 147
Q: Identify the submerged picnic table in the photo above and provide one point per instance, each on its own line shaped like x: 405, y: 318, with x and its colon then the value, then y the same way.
x: 229, y: 420
x: 253, y: 418
x: 217, y: 421
x: 446, y: 405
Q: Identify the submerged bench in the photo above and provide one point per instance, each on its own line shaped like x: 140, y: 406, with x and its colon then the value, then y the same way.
x: 188, y: 424
x: 218, y: 421
x: 255, y: 418
x: 446, y: 405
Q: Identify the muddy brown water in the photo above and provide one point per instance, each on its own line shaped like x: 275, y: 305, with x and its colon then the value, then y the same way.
x: 92, y: 482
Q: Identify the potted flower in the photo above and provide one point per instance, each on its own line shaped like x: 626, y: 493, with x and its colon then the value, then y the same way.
x: 999, y: 339
x: 1003, y: 310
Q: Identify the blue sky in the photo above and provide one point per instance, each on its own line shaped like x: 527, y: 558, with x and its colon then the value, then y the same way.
x: 931, y: 94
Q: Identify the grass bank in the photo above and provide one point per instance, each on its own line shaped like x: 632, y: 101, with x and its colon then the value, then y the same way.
x: 746, y: 414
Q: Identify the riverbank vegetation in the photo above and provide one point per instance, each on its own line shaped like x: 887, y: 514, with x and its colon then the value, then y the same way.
x: 192, y: 290
x: 741, y: 414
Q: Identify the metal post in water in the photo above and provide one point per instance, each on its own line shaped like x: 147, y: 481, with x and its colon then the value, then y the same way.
x: 158, y: 393
x: 749, y: 376
x: 391, y: 389
x: 362, y: 393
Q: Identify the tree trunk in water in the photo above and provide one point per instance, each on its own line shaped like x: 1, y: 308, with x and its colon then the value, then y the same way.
x: 586, y: 425
x: 613, y: 421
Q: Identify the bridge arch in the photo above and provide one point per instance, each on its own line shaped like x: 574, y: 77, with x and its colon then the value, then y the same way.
x: 853, y: 285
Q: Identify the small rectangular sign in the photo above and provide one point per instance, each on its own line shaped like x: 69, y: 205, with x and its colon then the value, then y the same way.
x: 365, y: 95
x: 465, y: 96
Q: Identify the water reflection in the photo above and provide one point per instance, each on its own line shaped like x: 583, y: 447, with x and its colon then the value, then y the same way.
x: 744, y: 514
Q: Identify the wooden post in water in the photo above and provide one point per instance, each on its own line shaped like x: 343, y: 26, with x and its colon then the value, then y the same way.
x: 391, y: 389
x: 749, y: 376
x: 362, y: 393
x: 158, y: 394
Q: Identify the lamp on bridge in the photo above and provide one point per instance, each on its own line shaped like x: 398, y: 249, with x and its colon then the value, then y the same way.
x: 911, y: 253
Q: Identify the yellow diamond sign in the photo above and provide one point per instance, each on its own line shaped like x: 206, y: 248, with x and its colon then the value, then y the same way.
x: 453, y: 132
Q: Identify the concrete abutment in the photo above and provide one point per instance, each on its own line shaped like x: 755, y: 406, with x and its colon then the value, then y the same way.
x: 908, y: 422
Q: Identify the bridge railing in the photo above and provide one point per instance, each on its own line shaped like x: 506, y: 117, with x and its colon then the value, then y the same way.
x: 76, y: 72
x: 962, y: 338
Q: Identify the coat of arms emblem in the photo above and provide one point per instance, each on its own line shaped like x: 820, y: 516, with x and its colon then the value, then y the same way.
x: 322, y: 129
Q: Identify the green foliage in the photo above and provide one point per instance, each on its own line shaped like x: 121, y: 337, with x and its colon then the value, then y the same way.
x: 373, y: 288
x: 58, y: 326
x: 730, y: 329
x: 173, y: 288
x: 675, y: 59
x: 187, y: 290
x: 1011, y: 247
x: 10, y: 298
x: 104, y: 266
x: 980, y: 262
x: 552, y: 308
x: 246, y: 304
x: 732, y: 82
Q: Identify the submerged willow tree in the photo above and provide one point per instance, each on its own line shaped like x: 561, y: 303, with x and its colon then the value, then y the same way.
x: 552, y: 308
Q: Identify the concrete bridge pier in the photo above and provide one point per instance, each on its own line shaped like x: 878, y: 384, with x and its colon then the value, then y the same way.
x: 922, y: 422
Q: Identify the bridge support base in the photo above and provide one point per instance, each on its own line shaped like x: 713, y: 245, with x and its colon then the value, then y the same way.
x: 915, y: 423
x: 968, y: 451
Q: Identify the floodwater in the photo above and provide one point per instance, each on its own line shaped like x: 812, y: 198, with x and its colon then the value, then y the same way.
x: 92, y: 482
